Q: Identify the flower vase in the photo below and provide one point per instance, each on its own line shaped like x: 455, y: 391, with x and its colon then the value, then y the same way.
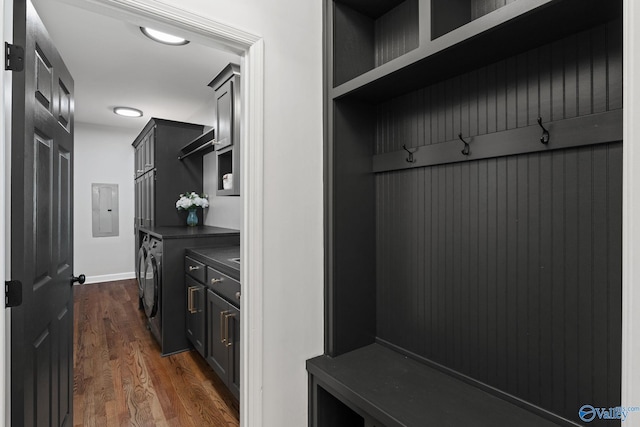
x: 192, y: 218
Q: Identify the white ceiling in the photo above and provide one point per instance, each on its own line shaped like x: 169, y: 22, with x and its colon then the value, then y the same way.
x: 114, y: 64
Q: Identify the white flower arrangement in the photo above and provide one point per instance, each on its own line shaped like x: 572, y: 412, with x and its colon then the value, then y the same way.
x: 192, y: 200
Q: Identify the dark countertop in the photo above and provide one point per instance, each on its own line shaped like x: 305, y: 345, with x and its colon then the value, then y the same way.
x: 179, y: 232
x: 219, y: 258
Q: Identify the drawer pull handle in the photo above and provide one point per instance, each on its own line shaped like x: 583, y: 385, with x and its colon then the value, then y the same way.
x: 194, y: 267
x: 192, y: 306
x: 214, y: 281
x: 223, y: 335
x: 226, y: 327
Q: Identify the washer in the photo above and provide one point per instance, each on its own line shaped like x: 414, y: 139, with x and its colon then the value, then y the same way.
x: 153, y: 286
x: 141, y: 264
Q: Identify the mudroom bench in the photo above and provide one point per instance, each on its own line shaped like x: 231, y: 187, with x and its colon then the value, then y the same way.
x: 375, y: 386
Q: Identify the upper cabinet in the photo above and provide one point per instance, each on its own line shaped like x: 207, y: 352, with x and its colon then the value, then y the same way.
x: 227, y: 94
x: 159, y: 176
x: 225, y: 136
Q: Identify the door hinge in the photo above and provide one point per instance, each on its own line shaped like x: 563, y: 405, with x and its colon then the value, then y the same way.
x: 12, y: 293
x: 13, y: 57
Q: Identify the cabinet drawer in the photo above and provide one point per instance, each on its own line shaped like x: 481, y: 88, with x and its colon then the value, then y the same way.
x: 194, y: 269
x: 224, y: 286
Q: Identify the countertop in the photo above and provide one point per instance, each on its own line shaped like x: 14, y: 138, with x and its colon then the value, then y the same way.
x: 220, y: 258
x: 179, y: 232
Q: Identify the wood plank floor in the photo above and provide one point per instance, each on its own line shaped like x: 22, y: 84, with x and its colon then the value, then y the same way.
x: 120, y: 378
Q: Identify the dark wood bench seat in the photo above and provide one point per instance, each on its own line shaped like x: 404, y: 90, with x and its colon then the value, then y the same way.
x: 375, y: 386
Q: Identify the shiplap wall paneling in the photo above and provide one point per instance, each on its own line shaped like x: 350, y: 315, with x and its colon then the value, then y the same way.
x: 573, y: 77
x: 396, y: 32
x: 508, y: 270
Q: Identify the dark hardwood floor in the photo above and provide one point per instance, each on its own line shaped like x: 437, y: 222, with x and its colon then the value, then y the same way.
x: 120, y: 378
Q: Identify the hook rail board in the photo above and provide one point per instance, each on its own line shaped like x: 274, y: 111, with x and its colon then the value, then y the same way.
x: 586, y: 130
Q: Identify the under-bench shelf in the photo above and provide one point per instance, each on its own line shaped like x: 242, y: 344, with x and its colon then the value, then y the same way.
x: 376, y: 386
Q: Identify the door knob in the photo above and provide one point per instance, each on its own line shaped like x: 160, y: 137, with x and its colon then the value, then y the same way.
x: 80, y: 279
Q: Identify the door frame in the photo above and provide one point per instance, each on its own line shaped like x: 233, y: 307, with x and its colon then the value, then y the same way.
x: 251, y: 49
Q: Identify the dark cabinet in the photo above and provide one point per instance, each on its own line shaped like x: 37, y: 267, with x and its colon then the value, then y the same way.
x: 213, y: 319
x: 223, y: 340
x: 169, y: 324
x: 159, y: 176
x: 227, y: 114
x: 196, y: 300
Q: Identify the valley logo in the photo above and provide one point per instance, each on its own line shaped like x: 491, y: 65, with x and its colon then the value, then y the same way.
x: 588, y: 413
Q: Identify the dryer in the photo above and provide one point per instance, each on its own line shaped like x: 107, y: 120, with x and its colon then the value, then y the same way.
x: 141, y: 262
x: 151, y: 299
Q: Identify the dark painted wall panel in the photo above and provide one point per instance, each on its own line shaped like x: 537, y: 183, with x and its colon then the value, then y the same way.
x: 508, y: 270
x: 396, y: 32
x: 353, y: 245
x: 576, y: 76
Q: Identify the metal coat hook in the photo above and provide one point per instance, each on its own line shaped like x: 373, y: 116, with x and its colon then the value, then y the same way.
x: 465, y: 150
x: 410, y: 159
x: 545, y: 133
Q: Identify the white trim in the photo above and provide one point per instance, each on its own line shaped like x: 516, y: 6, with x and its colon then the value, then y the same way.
x: 109, y: 277
x: 631, y: 213
x: 231, y: 38
x: 252, y: 237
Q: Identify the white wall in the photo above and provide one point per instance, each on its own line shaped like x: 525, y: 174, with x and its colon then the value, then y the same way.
x: 103, y: 155
x: 293, y: 198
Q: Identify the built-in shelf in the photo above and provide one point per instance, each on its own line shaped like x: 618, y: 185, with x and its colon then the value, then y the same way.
x: 458, y: 232
x: 382, y: 387
x: 201, y: 144
x: 497, y: 35
x: 367, y: 37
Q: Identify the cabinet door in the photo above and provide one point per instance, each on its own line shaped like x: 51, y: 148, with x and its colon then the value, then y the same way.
x: 217, y: 352
x: 151, y: 187
x: 234, y: 351
x: 195, y: 314
x: 139, y: 160
x: 147, y: 199
x: 224, y: 115
x: 150, y: 150
x: 138, y: 202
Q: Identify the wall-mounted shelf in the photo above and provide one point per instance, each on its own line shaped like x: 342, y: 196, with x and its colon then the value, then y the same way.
x: 200, y: 145
x: 511, y: 29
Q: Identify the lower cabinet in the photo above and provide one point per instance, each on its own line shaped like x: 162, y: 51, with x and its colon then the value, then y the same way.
x: 212, y: 322
x: 223, y: 340
x: 196, y: 297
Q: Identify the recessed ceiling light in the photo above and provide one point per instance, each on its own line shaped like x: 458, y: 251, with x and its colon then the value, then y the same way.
x: 127, y: 112
x: 162, y: 37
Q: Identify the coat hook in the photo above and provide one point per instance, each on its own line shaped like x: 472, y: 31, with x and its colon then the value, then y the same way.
x: 465, y: 150
x: 545, y: 133
x: 410, y: 159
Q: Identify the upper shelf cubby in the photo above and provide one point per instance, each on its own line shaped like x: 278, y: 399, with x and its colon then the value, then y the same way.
x: 464, y: 35
x: 368, y: 34
x: 447, y: 15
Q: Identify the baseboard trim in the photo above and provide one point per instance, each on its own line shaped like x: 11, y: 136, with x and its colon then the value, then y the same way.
x: 109, y: 277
